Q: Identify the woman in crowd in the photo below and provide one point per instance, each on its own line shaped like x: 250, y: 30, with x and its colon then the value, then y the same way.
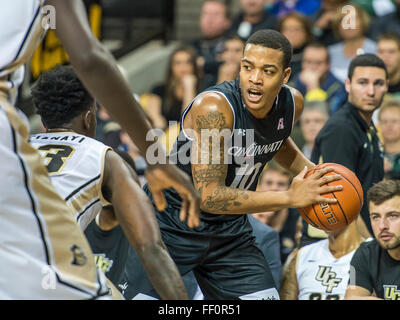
x: 167, y: 101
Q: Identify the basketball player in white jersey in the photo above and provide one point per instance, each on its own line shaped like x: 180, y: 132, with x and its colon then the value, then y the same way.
x: 321, y: 270
x: 89, y: 175
x: 44, y: 253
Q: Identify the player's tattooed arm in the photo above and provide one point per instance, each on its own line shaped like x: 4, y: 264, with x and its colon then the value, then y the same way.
x: 213, y: 123
x: 289, y: 286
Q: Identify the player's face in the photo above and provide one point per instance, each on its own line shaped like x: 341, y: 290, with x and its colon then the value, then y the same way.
x: 389, y: 122
x: 367, y: 88
x: 389, y: 52
x: 385, y: 222
x: 261, y: 78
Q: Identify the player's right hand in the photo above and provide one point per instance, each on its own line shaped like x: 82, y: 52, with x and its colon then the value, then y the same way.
x: 164, y: 176
x: 306, y: 191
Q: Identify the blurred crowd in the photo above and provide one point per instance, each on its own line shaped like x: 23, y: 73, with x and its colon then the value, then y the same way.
x: 325, y: 35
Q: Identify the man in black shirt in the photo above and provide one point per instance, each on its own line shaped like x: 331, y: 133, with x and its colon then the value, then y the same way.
x: 375, y: 266
x: 349, y: 136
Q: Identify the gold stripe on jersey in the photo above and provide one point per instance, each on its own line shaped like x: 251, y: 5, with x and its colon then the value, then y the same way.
x: 81, y: 200
x: 67, y: 248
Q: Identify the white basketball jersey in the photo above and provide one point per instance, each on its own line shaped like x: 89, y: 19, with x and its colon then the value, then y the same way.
x: 320, y: 276
x: 21, y: 30
x: 43, y: 252
x: 75, y: 164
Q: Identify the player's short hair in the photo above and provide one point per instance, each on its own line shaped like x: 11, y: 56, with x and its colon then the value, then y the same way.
x: 59, y: 96
x: 367, y: 60
x: 275, y: 40
x: 383, y: 191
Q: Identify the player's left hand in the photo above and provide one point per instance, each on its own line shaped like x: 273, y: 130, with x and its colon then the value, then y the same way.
x: 164, y: 176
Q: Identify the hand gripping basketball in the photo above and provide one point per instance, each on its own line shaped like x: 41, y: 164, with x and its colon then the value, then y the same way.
x: 333, y: 216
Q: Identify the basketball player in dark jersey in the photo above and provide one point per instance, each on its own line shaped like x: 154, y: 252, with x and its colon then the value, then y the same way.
x: 221, y: 251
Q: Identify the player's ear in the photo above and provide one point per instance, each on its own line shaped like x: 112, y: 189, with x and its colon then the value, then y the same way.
x: 347, y: 84
x: 286, y: 74
x: 87, y: 119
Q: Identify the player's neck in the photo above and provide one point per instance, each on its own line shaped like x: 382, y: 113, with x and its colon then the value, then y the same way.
x: 345, y: 242
x: 57, y: 130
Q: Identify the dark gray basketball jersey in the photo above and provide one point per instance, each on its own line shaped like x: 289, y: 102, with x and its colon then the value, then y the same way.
x: 253, y: 143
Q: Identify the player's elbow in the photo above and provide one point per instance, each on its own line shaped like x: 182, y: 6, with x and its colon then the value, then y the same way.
x: 150, y: 248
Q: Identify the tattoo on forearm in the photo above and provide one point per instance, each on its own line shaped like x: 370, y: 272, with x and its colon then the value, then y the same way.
x: 213, y: 169
x: 223, y: 198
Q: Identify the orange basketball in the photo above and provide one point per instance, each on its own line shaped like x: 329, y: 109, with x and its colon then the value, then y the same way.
x: 329, y: 217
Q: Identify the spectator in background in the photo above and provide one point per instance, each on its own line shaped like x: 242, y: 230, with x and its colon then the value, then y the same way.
x: 296, y: 28
x: 306, y: 7
x: 320, y: 271
x: 252, y: 17
x: 389, y: 52
x: 275, y: 178
x: 231, y: 57
x: 312, y: 120
x: 316, y: 82
x: 215, y: 19
x: 167, y: 101
x: 322, y: 21
x: 376, y: 263
x: 389, y: 124
x: 351, y: 30
x: 349, y: 137
x: 387, y: 23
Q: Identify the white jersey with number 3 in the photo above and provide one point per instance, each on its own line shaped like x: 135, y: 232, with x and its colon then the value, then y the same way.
x: 75, y: 164
x: 321, y: 276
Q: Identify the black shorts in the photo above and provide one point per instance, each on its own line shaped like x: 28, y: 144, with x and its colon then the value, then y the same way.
x: 223, y: 256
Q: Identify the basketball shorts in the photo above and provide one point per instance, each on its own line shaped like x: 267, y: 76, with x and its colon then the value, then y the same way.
x: 223, y: 256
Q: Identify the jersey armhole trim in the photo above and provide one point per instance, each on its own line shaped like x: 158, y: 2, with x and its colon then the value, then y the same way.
x: 294, y: 106
x: 191, y: 103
